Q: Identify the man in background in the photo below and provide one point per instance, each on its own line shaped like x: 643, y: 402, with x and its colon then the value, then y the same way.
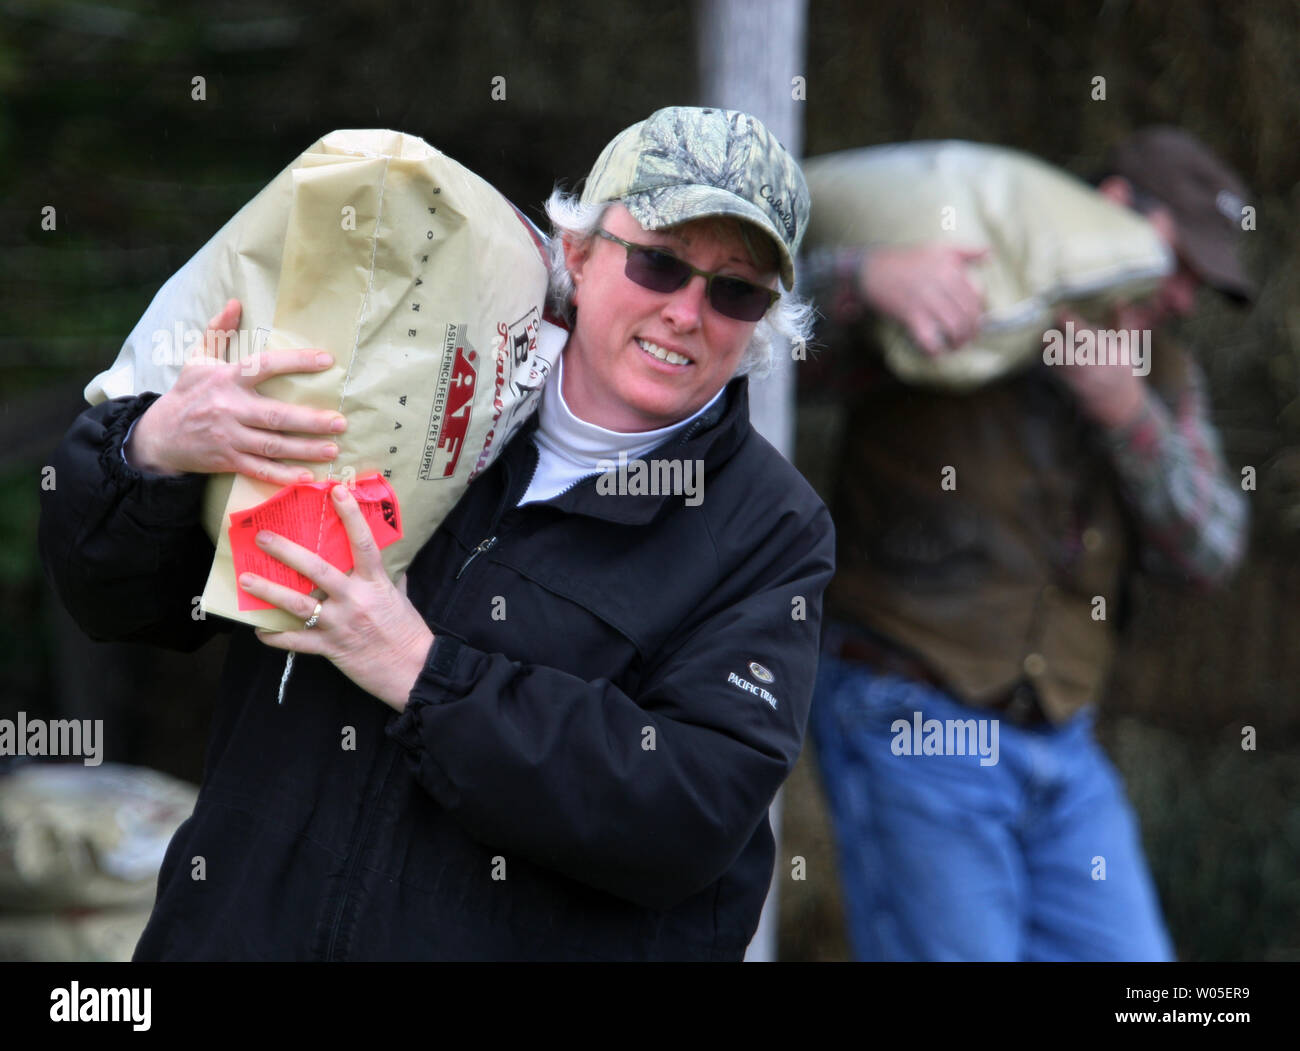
x: 998, y: 598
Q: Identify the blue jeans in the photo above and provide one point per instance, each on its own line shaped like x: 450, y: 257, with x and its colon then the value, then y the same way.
x: 1024, y: 851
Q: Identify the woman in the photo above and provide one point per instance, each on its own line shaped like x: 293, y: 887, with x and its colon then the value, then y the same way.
x: 591, y: 692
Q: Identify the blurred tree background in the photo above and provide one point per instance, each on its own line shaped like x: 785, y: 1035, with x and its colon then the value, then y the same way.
x: 99, y: 120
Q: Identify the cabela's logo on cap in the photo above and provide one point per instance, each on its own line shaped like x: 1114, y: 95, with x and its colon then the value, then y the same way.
x: 1229, y: 205
x: 760, y: 673
x: 779, y: 206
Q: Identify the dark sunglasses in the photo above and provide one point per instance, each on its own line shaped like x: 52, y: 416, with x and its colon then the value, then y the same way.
x: 661, y: 271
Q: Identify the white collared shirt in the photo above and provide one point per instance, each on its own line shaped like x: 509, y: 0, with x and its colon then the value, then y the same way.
x: 569, y: 449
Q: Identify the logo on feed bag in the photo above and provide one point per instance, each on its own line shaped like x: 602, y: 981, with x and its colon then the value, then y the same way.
x: 515, y: 352
x: 453, y: 402
x: 528, y: 371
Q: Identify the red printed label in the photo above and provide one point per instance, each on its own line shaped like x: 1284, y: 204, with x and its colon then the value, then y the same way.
x: 305, y: 514
x: 460, y: 403
x: 453, y: 402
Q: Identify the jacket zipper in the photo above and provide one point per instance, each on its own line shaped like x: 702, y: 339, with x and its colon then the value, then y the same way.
x: 490, y: 541
x: 367, y: 819
x: 484, y: 546
x: 356, y: 850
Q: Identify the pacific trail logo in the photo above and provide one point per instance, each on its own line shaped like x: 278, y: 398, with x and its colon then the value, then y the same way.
x: 758, y: 671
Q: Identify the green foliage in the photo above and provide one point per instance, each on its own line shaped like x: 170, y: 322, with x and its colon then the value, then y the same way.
x: 19, y: 513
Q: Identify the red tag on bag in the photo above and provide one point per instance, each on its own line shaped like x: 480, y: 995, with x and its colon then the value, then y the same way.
x: 305, y: 514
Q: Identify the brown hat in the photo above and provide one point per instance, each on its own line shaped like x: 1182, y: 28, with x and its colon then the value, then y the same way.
x: 1205, y: 196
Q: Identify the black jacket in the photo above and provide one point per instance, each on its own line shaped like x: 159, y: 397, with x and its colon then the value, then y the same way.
x: 618, y: 687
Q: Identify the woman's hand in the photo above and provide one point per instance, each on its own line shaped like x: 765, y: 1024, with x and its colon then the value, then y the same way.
x: 366, y: 626
x: 214, y: 421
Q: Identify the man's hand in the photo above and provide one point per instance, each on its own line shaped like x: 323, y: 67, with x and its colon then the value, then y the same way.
x: 927, y: 288
x: 367, y: 625
x: 1111, y: 394
x: 214, y: 421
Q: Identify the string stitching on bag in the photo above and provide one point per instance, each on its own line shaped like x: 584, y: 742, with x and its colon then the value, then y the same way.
x: 365, y: 305
x: 356, y: 344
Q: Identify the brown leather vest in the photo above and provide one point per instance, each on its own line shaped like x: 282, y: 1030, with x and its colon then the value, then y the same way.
x: 989, y: 573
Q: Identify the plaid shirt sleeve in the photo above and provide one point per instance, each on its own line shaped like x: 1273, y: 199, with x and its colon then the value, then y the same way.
x: 1192, y: 517
x: 839, y: 363
x: 829, y: 276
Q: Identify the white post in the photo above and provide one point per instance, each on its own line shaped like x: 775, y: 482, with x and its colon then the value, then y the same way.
x: 750, y: 52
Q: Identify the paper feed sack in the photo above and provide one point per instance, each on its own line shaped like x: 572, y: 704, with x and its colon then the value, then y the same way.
x: 425, y: 285
x: 1054, y: 241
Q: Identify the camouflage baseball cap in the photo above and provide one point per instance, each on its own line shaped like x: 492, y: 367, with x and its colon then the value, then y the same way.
x: 684, y: 163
